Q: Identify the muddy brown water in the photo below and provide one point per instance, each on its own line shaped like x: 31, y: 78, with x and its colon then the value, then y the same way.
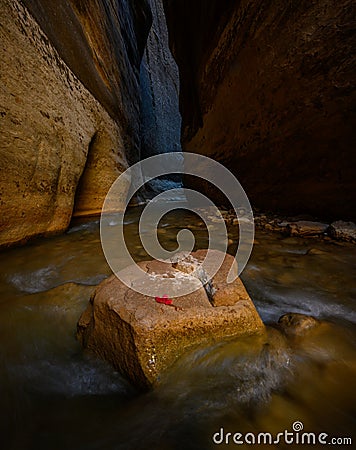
x: 54, y: 396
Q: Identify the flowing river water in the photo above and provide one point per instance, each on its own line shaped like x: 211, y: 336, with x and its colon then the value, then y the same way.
x: 55, y: 396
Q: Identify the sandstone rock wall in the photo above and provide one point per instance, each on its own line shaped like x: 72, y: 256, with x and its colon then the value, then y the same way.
x: 69, y: 101
x: 102, y: 41
x: 267, y: 88
x: 160, y: 117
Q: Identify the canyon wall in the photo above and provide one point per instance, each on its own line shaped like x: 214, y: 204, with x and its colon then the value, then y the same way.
x: 159, y: 82
x: 267, y: 88
x: 160, y: 116
x: 69, y: 108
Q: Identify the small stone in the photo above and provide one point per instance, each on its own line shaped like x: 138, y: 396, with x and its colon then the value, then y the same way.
x: 296, y: 324
x: 269, y: 227
x: 316, y: 251
x: 283, y: 224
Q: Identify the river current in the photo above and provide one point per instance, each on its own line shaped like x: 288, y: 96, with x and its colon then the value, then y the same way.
x: 55, y: 396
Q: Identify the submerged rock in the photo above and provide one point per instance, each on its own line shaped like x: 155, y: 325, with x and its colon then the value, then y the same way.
x: 317, y: 252
x: 248, y: 370
x: 296, y: 324
x: 142, y: 338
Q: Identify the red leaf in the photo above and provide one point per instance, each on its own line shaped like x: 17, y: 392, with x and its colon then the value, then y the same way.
x: 165, y: 300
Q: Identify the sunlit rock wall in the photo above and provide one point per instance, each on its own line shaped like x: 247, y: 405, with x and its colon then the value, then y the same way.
x: 70, y: 105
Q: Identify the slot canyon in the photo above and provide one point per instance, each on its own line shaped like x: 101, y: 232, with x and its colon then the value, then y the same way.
x: 90, y: 89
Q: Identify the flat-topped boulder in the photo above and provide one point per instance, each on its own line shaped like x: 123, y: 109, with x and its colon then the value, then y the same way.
x: 141, y: 337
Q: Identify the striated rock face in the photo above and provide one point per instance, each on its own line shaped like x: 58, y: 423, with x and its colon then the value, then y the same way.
x: 69, y: 111
x: 267, y: 88
x: 142, y: 338
x: 160, y: 118
x: 102, y: 42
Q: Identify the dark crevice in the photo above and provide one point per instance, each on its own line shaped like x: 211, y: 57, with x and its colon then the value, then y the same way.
x: 82, y: 182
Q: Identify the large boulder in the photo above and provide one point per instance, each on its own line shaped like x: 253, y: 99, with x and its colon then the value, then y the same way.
x: 142, y: 338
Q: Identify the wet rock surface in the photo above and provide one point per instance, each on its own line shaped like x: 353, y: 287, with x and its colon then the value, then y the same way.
x: 306, y: 228
x: 295, y: 324
x: 269, y: 363
x: 142, y: 338
x: 298, y: 226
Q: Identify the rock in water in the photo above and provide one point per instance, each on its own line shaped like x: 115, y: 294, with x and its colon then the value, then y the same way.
x: 296, y: 324
x: 141, y: 338
x: 306, y: 228
x: 344, y: 231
